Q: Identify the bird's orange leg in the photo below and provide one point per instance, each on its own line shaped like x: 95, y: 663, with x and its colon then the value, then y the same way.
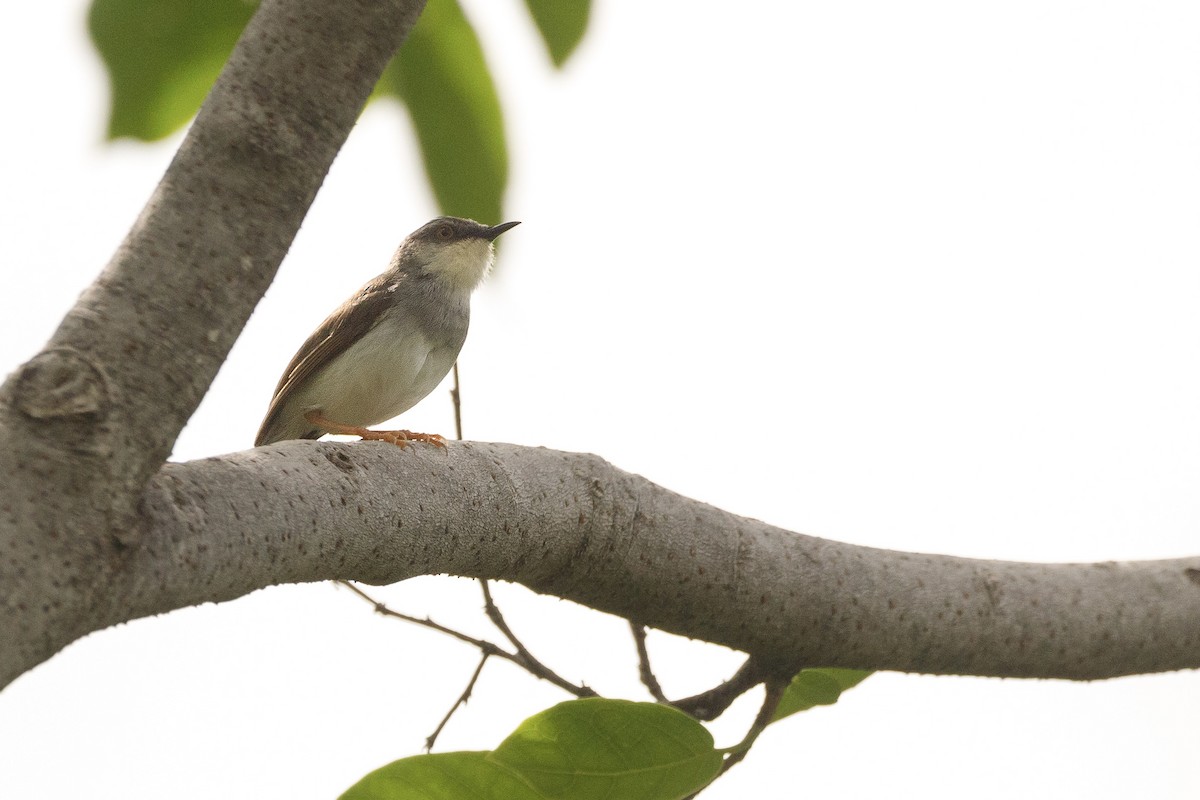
x: 400, y: 438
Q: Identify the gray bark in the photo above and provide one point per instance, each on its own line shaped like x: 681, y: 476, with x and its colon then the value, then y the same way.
x: 574, y: 526
x: 95, y: 529
x: 86, y: 423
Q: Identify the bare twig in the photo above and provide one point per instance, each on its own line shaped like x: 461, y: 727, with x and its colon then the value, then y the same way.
x: 456, y: 399
x: 524, y: 657
x: 775, y: 687
x: 711, y: 704
x: 644, y: 671
x: 484, y: 645
x: 493, y: 613
x: 462, y: 699
x: 522, y: 660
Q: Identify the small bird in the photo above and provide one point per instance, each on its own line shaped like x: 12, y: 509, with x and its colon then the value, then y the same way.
x: 390, y: 344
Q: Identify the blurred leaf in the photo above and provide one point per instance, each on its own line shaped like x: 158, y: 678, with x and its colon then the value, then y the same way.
x: 441, y: 76
x: 561, y: 23
x: 599, y: 748
x: 441, y: 776
x: 817, y: 687
x: 162, y: 58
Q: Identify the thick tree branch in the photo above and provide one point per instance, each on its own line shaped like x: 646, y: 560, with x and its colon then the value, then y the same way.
x: 574, y: 526
x: 95, y: 531
x: 86, y: 423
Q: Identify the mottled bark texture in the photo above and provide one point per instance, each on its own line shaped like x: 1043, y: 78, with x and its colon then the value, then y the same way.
x: 87, y: 423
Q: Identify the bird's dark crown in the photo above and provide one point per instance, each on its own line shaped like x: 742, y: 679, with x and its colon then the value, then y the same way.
x: 457, y: 229
x: 449, y: 229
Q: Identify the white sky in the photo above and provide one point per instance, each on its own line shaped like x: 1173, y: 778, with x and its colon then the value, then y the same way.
x: 917, y: 275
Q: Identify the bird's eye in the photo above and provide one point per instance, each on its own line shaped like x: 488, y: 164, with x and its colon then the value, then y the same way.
x: 445, y: 232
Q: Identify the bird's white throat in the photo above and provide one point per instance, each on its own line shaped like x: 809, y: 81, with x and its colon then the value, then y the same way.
x: 463, y: 264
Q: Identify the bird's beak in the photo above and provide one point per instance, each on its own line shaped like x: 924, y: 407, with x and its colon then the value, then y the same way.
x: 491, y: 233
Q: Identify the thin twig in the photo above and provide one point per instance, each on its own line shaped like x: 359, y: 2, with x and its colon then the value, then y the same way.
x: 456, y: 399
x: 484, y: 645
x: 493, y: 613
x: 527, y: 659
x: 711, y: 704
x: 525, y: 662
x: 644, y: 671
x: 775, y: 687
x: 462, y: 699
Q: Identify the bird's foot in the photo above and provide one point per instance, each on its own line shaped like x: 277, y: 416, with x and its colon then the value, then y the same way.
x: 402, y: 438
x: 398, y: 438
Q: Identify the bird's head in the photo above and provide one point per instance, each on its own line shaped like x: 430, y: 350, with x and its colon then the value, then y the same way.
x: 455, y: 250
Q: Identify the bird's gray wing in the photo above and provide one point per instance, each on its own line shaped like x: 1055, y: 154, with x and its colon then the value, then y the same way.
x: 342, y: 328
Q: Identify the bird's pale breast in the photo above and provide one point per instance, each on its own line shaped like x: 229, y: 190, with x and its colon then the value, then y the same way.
x: 385, y: 373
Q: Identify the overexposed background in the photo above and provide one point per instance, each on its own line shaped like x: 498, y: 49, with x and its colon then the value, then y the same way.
x: 916, y: 275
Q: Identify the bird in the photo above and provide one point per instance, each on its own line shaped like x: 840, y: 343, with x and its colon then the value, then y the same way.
x: 390, y: 344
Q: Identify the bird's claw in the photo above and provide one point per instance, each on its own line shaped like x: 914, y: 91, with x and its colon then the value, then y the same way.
x: 402, y: 438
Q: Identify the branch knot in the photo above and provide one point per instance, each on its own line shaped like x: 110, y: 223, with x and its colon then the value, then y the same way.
x: 58, y: 383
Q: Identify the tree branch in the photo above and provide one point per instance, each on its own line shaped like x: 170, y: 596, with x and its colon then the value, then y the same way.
x: 645, y: 671
x: 89, y: 421
x: 522, y: 657
x: 564, y: 524
x: 525, y: 658
x: 711, y: 704
x: 94, y: 530
x: 432, y: 738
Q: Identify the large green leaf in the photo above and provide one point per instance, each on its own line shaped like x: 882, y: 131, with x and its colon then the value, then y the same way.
x: 561, y: 23
x: 441, y: 776
x: 162, y: 58
x: 591, y: 749
x: 441, y: 76
x: 597, y: 748
x: 817, y: 687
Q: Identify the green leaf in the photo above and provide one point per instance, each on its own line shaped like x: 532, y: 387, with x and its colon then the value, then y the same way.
x: 600, y: 748
x: 561, y: 23
x: 817, y: 687
x: 441, y: 76
x: 580, y: 749
x: 162, y: 57
x: 441, y: 776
